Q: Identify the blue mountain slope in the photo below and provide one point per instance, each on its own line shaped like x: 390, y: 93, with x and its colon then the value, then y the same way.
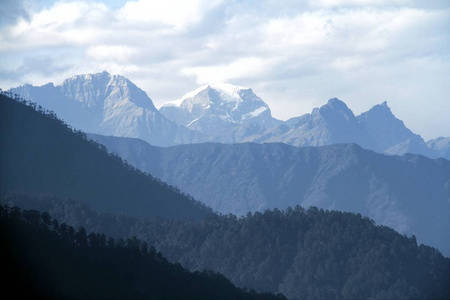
x: 408, y: 193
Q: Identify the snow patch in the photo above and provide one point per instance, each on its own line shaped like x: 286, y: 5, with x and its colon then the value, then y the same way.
x: 255, y: 113
x: 193, y: 121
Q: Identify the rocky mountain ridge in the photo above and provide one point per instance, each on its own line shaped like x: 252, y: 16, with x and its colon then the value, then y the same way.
x: 112, y: 105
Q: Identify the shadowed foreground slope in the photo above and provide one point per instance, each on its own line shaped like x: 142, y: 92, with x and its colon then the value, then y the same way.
x: 304, y: 254
x: 45, y: 260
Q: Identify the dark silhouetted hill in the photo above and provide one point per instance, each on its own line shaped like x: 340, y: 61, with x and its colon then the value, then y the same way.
x: 304, y: 254
x: 43, y: 259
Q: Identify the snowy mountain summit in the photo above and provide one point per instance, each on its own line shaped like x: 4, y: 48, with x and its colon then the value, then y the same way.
x: 234, y: 111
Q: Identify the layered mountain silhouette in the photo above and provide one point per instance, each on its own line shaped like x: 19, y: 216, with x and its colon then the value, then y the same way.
x: 408, y: 193
x: 112, y: 105
x: 39, y: 154
x: 305, y: 253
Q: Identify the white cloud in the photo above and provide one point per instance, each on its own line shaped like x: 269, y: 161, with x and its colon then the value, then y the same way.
x: 64, y: 23
x: 171, y: 12
x: 120, y: 53
x: 295, y: 55
x: 242, y: 68
x: 341, y: 3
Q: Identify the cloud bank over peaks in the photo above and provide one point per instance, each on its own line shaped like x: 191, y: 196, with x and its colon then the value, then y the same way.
x: 294, y: 54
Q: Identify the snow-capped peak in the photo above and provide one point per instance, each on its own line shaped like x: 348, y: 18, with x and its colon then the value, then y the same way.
x: 228, y: 92
x: 213, y: 105
x: 194, y: 92
x: 228, y: 88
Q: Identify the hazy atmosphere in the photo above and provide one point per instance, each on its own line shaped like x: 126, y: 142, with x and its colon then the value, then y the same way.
x: 294, y: 56
x: 225, y: 149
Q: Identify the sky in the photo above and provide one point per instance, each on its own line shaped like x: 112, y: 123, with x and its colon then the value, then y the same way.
x: 295, y: 55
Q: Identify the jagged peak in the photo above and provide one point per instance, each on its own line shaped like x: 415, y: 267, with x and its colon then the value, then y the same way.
x: 49, y: 84
x: 335, y: 104
x: 334, y: 100
x: 104, y: 78
x: 89, y: 77
x: 383, y: 105
x: 28, y: 85
x: 229, y: 89
x: 382, y: 108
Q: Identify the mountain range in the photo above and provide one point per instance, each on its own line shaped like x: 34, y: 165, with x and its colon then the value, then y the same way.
x: 112, y: 105
x: 409, y: 193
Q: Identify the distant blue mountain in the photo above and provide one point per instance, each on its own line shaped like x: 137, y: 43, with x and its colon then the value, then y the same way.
x: 332, y: 123
x: 409, y: 193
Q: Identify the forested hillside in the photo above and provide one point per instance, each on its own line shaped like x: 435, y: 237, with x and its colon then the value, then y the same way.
x: 40, y: 154
x: 408, y: 193
x: 43, y: 259
x: 304, y: 254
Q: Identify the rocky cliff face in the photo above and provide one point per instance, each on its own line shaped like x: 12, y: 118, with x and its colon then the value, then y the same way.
x: 108, y: 104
